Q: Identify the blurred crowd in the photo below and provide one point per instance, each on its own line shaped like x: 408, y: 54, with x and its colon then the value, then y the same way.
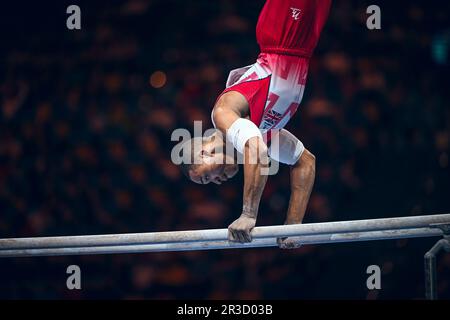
x: 86, y: 119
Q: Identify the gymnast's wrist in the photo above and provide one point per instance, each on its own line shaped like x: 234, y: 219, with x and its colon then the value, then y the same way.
x: 249, y: 213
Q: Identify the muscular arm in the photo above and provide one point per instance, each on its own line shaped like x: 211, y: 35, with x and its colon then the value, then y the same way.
x: 255, y: 162
x: 302, y: 181
x: 228, y: 109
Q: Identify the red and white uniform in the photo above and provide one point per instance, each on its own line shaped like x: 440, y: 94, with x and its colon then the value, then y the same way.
x: 287, y: 33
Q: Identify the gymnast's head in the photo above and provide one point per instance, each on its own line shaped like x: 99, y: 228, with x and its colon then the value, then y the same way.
x: 205, y: 159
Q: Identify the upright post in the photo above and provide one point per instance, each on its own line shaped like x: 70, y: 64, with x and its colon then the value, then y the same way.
x: 430, y: 262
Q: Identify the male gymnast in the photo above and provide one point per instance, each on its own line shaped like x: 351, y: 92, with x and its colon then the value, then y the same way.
x: 257, y: 103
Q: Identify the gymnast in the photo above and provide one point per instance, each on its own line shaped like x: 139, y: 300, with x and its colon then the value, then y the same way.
x: 251, y: 112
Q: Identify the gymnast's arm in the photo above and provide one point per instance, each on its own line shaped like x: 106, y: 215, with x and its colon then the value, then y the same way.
x: 302, y: 180
x: 287, y: 149
x: 229, y: 108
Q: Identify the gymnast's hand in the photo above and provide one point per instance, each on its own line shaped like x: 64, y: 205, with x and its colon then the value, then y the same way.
x: 289, y: 243
x: 240, y: 230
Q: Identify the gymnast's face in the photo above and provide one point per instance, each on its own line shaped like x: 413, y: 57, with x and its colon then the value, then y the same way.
x: 213, y: 167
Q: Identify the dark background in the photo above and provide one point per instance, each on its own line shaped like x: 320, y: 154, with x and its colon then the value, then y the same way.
x: 85, y: 145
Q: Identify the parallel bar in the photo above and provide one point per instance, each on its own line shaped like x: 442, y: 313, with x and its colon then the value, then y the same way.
x: 221, y: 234
x: 190, y: 246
